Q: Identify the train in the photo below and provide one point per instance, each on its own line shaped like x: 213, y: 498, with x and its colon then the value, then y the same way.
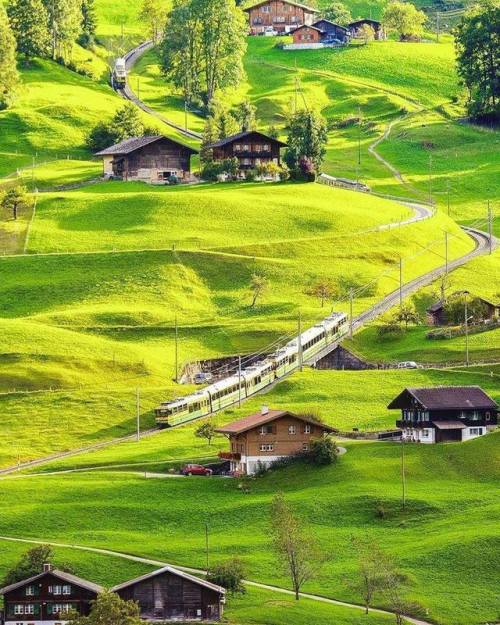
x: 252, y: 379
x: 119, y: 75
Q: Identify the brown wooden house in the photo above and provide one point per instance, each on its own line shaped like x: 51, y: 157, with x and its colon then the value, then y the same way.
x: 153, y: 159
x: 261, y: 439
x: 436, y: 316
x: 444, y: 413
x: 356, y: 28
x: 323, y: 31
x: 47, y: 598
x: 283, y: 16
x: 170, y: 594
x: 251, y: 148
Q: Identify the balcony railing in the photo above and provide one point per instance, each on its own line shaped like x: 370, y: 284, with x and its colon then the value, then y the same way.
x: 229, y: 455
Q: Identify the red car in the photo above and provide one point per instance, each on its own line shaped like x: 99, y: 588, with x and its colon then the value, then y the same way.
x: 196, y: 469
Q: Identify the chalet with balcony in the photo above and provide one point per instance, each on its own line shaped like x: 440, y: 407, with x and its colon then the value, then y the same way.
x: 357, y: 29
x: 321, y: 33
x: 444, y: 413
x: 261, y: 439
x: 283, y: 16
x: 154, y: 159
x: 172, y: 595
x: 251, y: 148
x: 47, y: 598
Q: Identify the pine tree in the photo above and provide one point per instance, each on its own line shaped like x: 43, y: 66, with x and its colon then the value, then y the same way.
x: 9, y: 77
x: 127, y: 122
x: 28, y: 20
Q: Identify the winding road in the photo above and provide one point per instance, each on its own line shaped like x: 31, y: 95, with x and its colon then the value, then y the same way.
x: 160, y: 563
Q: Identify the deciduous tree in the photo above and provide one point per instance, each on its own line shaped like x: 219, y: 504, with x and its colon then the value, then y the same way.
x: 9, y: 76
x: 205, y: 430
x: 246, y: 116
x: 28, y: 20
x: 31, y: 563
x: 366, y: 33
x: 403, y: 18
x: 407, y: 314
x: 323, y: 290
x: 338, y: 13
x: 14, y: 199
x: 88, y: 22
x: 229, y: 575
x: 110, y: 609
x: 154, y: 14
x: 258, y: 286
x: 323, y: 451
x: 307, y: 137
x: 64, y: 23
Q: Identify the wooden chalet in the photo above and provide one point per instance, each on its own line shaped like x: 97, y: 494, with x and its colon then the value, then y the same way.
x: 169, y: 594
x: 444, y: 413
x: 283, y: 16
x: 251, y: 148
x: 153, y: 159
x: 47, y: 598
x: 321, y: 32
x: 435, y: 314
x: 356, y: 29
x: 261, y: 439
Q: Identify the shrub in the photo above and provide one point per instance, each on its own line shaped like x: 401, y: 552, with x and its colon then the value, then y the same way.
x: 229, y: 575
x: 323, y: 451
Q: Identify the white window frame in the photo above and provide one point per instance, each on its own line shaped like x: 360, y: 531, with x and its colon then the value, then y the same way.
x: 29, y: 608
x: 66, y: 589
x: 18, y: 608
x: 57, y: 589
x: 307, y: 428
x: 305, y: 446
x: 292, y: 429
x: 30, y: 591
x: 266, y: 447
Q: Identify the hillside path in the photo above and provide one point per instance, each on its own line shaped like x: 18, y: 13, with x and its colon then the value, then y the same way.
x: 160, y: 563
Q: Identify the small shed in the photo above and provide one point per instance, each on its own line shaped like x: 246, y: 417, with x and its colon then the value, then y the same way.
x: 307, y: 35
x: 356, y: 28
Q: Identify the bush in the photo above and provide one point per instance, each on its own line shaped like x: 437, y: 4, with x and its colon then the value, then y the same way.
x: 229, y: 575
x: 323, y: 451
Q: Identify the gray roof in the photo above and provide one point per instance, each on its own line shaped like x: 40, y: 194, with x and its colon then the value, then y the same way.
x: 174, y: 571
x: 242, y: 135
x: 127, y: 146
x: 449, y: 425
x: 62, y: 575
x: 365, y: 20
x: 324, y: 20
x: 295, y: 4
x: 447, y: 398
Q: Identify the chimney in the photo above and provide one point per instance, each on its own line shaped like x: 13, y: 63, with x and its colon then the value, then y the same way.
x: 264, y: 410
x: 47, y: 567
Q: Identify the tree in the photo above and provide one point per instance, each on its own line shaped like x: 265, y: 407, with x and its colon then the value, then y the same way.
x: 110, y: 609
x: 337, y: 12
x: 229, y: 575
x: 154, y: 14
x: 30, y: 564
x: 407, y: 314
x: 307, y: 137
x: 64, y: 23
x: 28, y: 20
x: 246, y: 116
x: 9, y: 76
x: 14, y: 199
x: 203, y: 46
x: 477, y: 42
x: 88, y: 22
x: 126, y: 123
x: 295, y: 547
x: 367, y: 33
x: 371, y: 579
x: 205, y: 430
x: 454, y: 309
x: 258, y: 286
x: 407, y: 21
x: 323, y: 290
x: 323, y: 451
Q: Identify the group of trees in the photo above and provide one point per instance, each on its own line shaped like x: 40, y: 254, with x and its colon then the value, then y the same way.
x: 9, y: 76
x: 404, y: 19
x: 124, y: 124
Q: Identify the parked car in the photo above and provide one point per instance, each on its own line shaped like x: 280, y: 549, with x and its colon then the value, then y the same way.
x: 270, y: 32
x: 203, y: 377
x: 408, y: 364
x: 196, y: 469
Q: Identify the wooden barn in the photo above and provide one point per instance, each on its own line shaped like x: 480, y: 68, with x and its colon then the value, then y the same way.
x: 170, y: 594
x: 47, y: 598
x: 283, y: 16
x: 251, y: 148
x: 154, y: 159
x: 436, y: 315
x: 356, y: 29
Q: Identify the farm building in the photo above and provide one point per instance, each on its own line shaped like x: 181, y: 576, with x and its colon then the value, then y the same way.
x: 357, y: 29
x: 154, y: 159
x: 47, y: 598
x: 282, y: 16
x: 261, y: 439
x: 444, y: 413
x: 251, y: 148
x: 170, y: 594
x: 436, y: 314
x: 320, y: 34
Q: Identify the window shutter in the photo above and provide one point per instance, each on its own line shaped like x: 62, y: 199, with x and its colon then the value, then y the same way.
x: 37, y: 609
x: 49, y: 608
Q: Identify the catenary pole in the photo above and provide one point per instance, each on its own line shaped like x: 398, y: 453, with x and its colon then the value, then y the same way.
x: 138, y: 413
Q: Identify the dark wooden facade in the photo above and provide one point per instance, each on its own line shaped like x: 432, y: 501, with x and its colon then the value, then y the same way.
x: 435, y: 314
x: 47, y: 598
x: 153, y: 159
x: 169, y: 594
x: 332, y: 32
x: 251, y: 148
x: 441, y: 414
x: 281, y: 15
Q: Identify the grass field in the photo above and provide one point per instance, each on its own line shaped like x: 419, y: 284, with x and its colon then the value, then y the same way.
x: 446, y: 538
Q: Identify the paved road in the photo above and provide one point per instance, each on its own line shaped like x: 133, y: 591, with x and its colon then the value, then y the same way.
x: 160, y: 563
x: 130, y: 59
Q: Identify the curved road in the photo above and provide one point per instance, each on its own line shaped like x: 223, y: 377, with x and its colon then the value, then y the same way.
x: 159, y: 563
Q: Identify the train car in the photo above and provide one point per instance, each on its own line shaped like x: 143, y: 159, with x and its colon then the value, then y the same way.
x: 258, y: 376
x: 120, y: 73
x: 226, y: 392
x: 286, y: 359
x: 183, y: 409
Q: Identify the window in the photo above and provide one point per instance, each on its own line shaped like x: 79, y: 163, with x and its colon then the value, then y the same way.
x: 266, y: 429
x: 55, y: 590
x: 30, y: 591
x: 305, y: 447
x: 476, y: 431
x: 488, y: 416
x: 266, y: 147
x: 18, y: 609
x: 292, y: 429
x: 29, y: 609
x: 425, y: 433
x: 266, y: 9
x: 237, y: 147
x: 266, y: 447
x: 66, y: 589
x: 307, y: 428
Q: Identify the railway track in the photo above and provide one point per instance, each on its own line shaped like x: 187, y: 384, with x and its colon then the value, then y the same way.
x: 126, y: 92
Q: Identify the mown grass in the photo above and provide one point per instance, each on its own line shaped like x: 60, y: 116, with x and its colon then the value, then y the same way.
x: 449, y: 520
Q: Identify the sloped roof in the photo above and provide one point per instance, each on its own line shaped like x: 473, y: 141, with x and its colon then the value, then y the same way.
x: 62, y: 575
x: 242, y: 135
x: 446, y: 398
x: 312, y: 27
x: 329, y: 22
x: 365, y: 21
x: 173, y: 571
x: 295, y: 4
x: 254, y: 420
x: 449, y: 425
x: 127, y: 146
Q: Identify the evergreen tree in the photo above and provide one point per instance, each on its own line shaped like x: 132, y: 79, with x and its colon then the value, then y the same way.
x: 89, y: 22
x: 28, y: 20
x: 306, y: 141
x: 64, y: 22
x: 9, y: 76
x: 127, y: 122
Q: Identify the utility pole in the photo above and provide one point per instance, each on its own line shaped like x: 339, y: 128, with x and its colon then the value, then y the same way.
x: 351, y: 297
x: 206, y: 545
x: 299, y: 329
x: 403, y: 472
x: 176, y: 351
x: 448, y: 195
x: 466, y: 314
x: 430, y: 178
x: 490, y: 226
x: 138, y: 413
x: 138, y: 88
x: 185, y: 115
x: 296, y: 88
x: 446, y: 254
x: 400, y: 282
x: 239, y: 381
x: 438, y: 24
x: 359, y: 135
